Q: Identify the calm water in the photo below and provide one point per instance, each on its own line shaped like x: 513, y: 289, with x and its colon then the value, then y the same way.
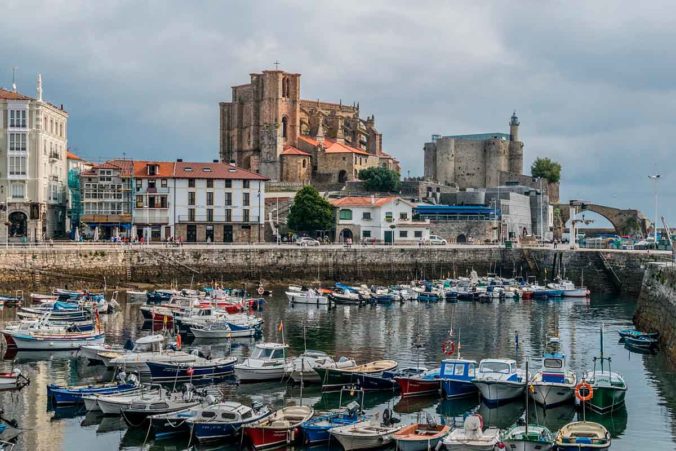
x: 375, y: 332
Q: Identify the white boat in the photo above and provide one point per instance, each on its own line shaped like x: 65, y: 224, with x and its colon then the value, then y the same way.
x: 528, y: 438
x: 13, y: 379
x: 214, y: 329
x: 146, y: 349
x: 91, y: 352
x: 268, y: 362
x: 499, y: 380
x: 554, y: 383
x: 569, y: 289
x: 310, y: 296
x: 364, y: 435
x: 37, y: 339
x: 303, y: 366
x: 113, y: 404
x: 583, y: 435
x: 471, y: 437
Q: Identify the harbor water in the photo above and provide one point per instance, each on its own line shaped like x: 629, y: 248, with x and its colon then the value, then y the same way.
x: 411, y: 333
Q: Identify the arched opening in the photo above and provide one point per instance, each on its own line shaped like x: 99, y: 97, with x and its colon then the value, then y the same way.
x: 18, y: 224
x: 345, y: 234
x: 461, y: 239
x: 285, y: 87
x: 342, y: 176
x: 304, y: 163
x: 285, y: 123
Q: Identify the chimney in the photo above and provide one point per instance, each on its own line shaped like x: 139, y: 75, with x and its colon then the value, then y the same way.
x: 179, y: 160
x: 215, y: 161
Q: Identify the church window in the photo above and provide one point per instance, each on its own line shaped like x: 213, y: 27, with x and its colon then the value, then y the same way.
x: 304, y: 163
x: 285, y: 87
x: 285, y: 122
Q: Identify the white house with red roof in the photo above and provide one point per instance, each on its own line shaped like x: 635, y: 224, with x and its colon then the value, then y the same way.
x: 371, y: 219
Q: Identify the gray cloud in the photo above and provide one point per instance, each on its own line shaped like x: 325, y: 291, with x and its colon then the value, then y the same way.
x: 591, y: 81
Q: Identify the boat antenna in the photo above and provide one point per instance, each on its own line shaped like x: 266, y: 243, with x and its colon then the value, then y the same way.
x: 527, y: 389
x: 602, y: 347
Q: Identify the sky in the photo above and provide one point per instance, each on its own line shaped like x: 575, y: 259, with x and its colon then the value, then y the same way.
x: 593, y: 83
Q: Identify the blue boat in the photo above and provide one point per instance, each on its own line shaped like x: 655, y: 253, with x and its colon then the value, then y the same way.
x: 382, y: 298
x: 624, y: 333
x: 385, y: 381
x: 457, y: 376
x: 224, y: 420
x: 428, y: 296
x: 202, y: 369
x: 158, y: 296
x: 60, y: 395
x: 316, y: 430
x: 642, y: 341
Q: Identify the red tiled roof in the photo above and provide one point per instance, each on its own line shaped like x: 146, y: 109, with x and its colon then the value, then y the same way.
x: 165, y: 169
x: 332, y: 146
x: 11, y: 95
x: 124, y: 166
x: 290, y: 150
x: 213, y: 171
x: 71, y: 156
x: 361, y: 201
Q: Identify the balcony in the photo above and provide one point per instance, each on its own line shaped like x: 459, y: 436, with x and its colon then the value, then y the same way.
x: 110, y: 219
x: 234, y: 219
x: 151, y: 216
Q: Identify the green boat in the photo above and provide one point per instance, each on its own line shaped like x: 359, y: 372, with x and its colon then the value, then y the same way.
x: 336, y: 378
x: 609, y: 389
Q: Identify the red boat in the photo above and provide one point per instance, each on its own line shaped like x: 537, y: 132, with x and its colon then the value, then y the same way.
x: 417, y: 386
x: 280, y: 428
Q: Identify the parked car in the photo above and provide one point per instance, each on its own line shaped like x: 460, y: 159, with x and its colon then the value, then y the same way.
x: 307, y: 241
x: 436, y: 240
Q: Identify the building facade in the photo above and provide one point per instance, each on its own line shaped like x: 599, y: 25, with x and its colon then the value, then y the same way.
x: 33, y: 168
x: 373, y: 219
x: 267, y: 116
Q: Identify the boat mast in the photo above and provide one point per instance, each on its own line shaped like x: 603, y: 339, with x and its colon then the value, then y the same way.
x: 527, y: 379
x: 602, y: 348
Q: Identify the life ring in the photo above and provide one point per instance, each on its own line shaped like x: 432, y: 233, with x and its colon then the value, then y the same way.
x: 448, y: 348
x: 178, y: 341
x: 261, y: 290
x: 584, y: 386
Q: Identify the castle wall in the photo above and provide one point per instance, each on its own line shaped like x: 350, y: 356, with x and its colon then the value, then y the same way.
x: 296, y: 168
x: 515, y: 156
x: 470, y: 163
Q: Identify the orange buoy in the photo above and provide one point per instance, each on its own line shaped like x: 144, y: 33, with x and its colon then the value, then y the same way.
x: 584, y: 386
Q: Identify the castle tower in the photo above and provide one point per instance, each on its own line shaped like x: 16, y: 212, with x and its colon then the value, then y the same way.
x: 514, y: 128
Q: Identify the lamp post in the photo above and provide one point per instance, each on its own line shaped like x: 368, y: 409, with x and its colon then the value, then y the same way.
x: 655, y: 178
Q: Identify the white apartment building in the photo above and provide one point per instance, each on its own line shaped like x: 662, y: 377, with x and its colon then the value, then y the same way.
x: 33, y: 168
x: 378, y: 220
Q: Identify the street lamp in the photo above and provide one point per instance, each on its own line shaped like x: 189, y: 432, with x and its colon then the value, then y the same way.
x: 655, y: 178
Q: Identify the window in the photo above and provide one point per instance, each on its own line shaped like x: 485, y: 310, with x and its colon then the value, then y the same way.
x: 18, y: 191
x: 139, y: 201
x: 210, y: 198
x: 163, y: 183
x: 403, y: 234
x: 245, y: 184
x: 191, y: 214
x: 459, y: 370
x: 366, y: 234
x: 285, y: 122
x: 152, y: 184
x: 245, y: 199
x: 228, y: 199
x: 191, y: 198
x: 152, y: 169
x: 245, y: 215
x: 403, y: 216
x: 17, y: 118
x: 17, y: 165
x: 345, y: 215
x: 366, y: 216
x: 417, y: 234
x: 191, y: 183
x: 228, y: 215
x: 228, y: 183
x: 151, y: 201
x: 17, y: 142
x: 304, y: 163
x: 210, y: 215
x: 210, y: 183
x: 388, y: 216
x: 163, y: 201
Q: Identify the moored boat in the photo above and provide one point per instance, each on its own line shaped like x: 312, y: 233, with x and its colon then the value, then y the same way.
x: 426, y: 383
x: 268, y: 362
x: 554, y: 383
x: 336, y: 378
x: 608, y: 387
x: 199, y: 369
x: 582, y: 436
x: 420, y: 436
x: 365, y: 434
x: 223, y: 420
x: 457, y: 377
x: 61, y: 395
x: 280, y: 428
x: 472, y: 437
x: 527, y: 438
x: 303, y: 366
x: 499, y: 380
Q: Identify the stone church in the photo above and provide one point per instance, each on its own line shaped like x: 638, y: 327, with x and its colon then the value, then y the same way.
x: 269, y: 129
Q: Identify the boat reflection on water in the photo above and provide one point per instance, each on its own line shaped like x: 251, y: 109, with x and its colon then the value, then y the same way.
x: 458, y: 407
x: 37, y: 356
x: 415, y: 404
x: 332, y: 400
x: 67, y: 412
x: 502, y: 416
x: 615, y: 421
x: 554, y: 417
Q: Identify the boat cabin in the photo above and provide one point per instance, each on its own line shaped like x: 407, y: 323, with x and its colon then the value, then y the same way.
x: 553, y: 368
x: 152, y: 343
x: 269, y: 351
x: 501, y: 366
x: 458, y: 369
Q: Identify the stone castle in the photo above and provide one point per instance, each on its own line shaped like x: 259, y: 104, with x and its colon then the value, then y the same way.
x: 267, y: 128
x: 475, y: 161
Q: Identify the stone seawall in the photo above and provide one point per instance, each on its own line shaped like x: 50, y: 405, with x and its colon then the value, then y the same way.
x: 27, y: 269
x: 656, y: 309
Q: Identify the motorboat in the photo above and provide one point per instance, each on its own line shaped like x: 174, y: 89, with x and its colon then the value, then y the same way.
x: 137, y: 412
x: 91, y: 352
x: 420, y: 436
x: 146, y: 349
x: 499, y: 380
x: 582, y: 436
x: 280, y: 428
x: 345, y: 296
x: 309, y: 296
x: 472, y: 437
x: 199, y: 369
x: 457, y: 377
x: 386, y: 380
x: 39, y: 339
x: 642, y: 342
x: 336, y: 378
x: 554, y: 383
x: 268, y: 362
x: 624, y: 333
x: 224, y: 420
x: 528, y: 438
x: 13, y: 380
x: 303, y: 366
x: 366, y: 434
x: 422, y: 384
x: 113, y: 404
x: 569, y: 289
x: 609, y: 388
x: 61, y: 395
x: 317, y: 429
x: 223, y: 329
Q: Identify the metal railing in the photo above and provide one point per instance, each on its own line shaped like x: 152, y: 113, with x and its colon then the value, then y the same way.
x: 218, y: 218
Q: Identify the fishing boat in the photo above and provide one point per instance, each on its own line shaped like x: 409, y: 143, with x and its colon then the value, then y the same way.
x: 367, y: 434
x: 457, y: 377
x: 13, y: 380
x: 336, y: 378
x: 385, y: 381
x: 554, y: 383
x: 309, y: 296
x: 344, y: 296
x: 114, y: 403
x: 633, y: 333
x: 199, y: 369
x: 642, y: 342
x: 609, y: 388
x: 317, y: 429
x: 425, y: 383
x: 223, y: 329
x: 303, y: 366
x: 280, y: 428
x: 582, y: 436
x: 137, y: 412
x: 569, y: 289
x: 223, y: 420
x: 61, y: 395
x: 499, y: 380
x: 268, y: 362
x: 36, y: 339
x: 146, y: 349
x: 420, y: 436
x: 472, y: 437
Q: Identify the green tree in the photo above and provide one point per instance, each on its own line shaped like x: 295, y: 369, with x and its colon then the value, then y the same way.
x: 380, y: 179
x: 547, y: 169
x: 310, y: 212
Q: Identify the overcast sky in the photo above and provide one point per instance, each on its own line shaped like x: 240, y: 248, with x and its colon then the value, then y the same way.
x: 592, y: 82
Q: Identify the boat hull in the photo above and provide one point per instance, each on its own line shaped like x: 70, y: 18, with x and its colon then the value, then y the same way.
x: 552, y: 394
x: 52, y: 343
x: 251, y: 374
x: 499, y: 391
x: 266, y: 437
x: 411, y: 386
x: 350, y: 442
x: 606, y: 399
x: 167, y: 372
x: 64, y: 395
x: 457, y: 389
